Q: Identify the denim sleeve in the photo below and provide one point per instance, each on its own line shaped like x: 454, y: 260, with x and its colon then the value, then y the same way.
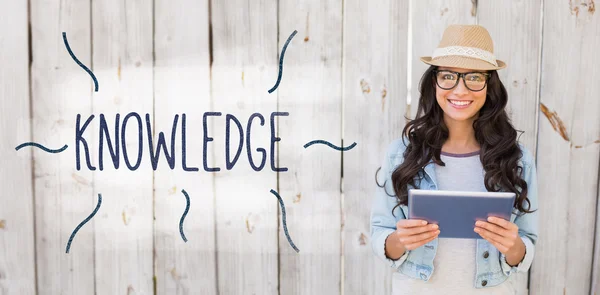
x: 527, y: 223
x: 383, y: 223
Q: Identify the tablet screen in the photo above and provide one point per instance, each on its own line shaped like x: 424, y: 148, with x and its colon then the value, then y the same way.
x: 456, y: 212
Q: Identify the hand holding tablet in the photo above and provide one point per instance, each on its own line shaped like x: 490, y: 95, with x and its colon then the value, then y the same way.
x: 456, y: 212
x: 410, y: 234
x: 414, y: 233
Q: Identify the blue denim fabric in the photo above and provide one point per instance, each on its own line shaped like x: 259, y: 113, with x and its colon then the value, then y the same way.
x: 418, y: 263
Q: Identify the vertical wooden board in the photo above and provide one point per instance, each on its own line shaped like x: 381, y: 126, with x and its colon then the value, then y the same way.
x: 429, y: 20
x: 311, y: 92
x: 182, y: 86
x: 568, y: 149
x: 244, y: 42
x: 17, y: 265
x: 515, y: 29
x: 374, y: 93
x: 122, y: 59
x: 595, y: 289
x: 61, y: 89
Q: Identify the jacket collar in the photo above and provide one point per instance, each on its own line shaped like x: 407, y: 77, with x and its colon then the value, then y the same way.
x: 429, y: 169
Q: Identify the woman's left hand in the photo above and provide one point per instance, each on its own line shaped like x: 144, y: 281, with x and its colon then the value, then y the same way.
x: 504, y: 235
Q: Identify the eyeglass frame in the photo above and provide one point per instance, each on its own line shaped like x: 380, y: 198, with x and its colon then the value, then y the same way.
x: 486, y: 74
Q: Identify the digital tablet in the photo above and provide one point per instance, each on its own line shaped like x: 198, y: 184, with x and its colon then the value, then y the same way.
x: 455, y: 212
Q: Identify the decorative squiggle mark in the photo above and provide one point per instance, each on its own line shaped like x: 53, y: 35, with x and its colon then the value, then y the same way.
x: 45, y: 149
x: 84, y: 222
x: 281, y: 61
x: 187, y: 208
x: 284, y: 223
x: 331, y: 145
x: 64, y: 34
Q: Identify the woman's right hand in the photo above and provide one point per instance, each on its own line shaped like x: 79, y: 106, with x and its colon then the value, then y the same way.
x: 409, y: 235
x: 414, y: 233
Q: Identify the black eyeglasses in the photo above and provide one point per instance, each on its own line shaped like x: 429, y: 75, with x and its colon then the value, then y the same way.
x: 474, y: 81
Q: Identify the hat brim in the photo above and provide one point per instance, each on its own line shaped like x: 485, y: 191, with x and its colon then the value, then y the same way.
x: 463, y: 62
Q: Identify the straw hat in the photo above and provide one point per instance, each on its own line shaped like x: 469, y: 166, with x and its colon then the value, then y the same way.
x: 465, y: 46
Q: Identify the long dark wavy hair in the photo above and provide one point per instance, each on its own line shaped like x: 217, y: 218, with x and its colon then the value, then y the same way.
x: 427, y: 133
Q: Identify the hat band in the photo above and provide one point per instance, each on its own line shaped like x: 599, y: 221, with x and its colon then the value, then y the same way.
x: 465, y: 51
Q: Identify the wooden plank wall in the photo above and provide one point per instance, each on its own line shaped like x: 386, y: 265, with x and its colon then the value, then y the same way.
x: 244, y: 48
x: 123, y: 63
x: 347, y: 74
x: 64, y: 196
x: 182, y: 86
x: 568, y: 148
x: 374, y: 99
x: 17, y: 245
x: 311, y: 92
x: 596, y: 260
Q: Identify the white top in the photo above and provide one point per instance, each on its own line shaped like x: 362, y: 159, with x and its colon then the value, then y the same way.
x: 454, y: 263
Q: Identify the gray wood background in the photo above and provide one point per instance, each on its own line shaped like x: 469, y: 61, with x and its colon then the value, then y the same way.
x: 350, y: 75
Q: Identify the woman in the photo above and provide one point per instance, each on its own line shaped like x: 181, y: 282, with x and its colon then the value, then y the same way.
x: 461, y: 139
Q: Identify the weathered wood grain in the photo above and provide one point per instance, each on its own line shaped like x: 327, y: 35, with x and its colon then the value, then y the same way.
x: 64, y: 196
x: 182, y: 86
x: 244, y: 43
x: 312, y: 94
x: 374, y: 94
x: 568, y: 151
x: 17, y: 244
x: 122, y: 60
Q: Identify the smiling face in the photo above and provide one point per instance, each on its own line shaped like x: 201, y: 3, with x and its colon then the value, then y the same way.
x: 459, y: 103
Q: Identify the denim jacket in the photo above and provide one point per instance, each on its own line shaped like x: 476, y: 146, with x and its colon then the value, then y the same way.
x: 492, y: 268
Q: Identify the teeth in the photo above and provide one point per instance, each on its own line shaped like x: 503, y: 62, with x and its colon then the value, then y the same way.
x: 460, y: 103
